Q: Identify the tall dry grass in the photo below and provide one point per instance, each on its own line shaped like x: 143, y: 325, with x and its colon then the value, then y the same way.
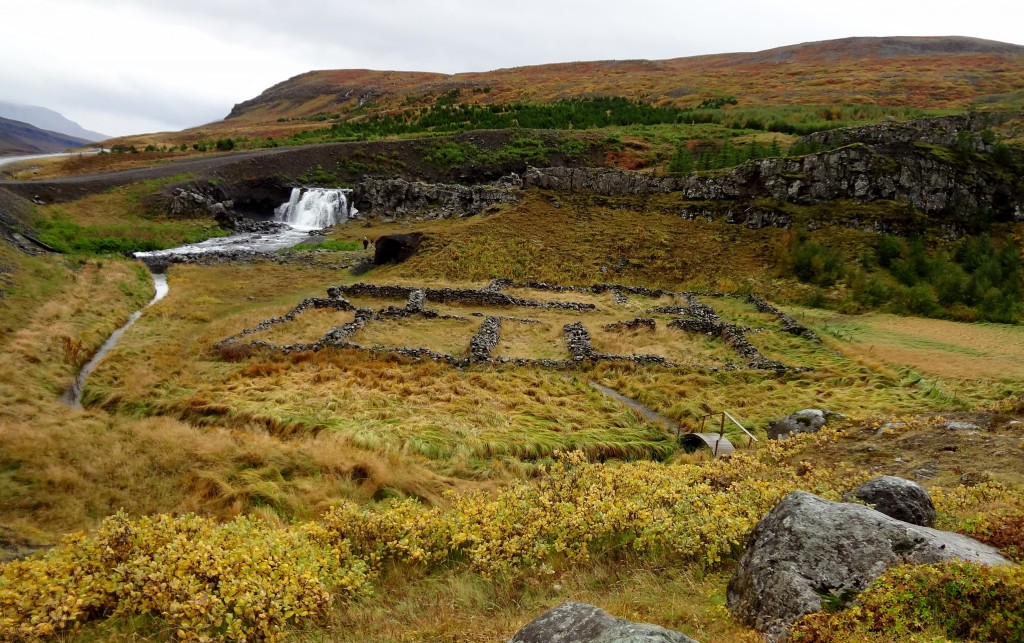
x: 62, y: 470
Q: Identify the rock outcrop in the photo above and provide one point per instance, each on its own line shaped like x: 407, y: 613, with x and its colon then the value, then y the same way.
x: 582, y: 623
x: 395, y: 248
x: 898, y: 498
x: 397, y: 198
x: 808, y: 548
x: 947, y: 131
x: 805, y: 421
x: 904, y: 162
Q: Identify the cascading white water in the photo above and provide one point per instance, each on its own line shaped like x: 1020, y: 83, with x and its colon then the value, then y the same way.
x: 315, y: 208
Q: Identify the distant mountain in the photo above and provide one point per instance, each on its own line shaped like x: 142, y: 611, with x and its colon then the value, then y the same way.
x: 48, y: 119
x: 17, y: 138
x: 947, y: 72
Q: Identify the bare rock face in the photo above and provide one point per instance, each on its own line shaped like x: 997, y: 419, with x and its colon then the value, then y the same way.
x: 395, y: 248
x: 808, y: 547
x: 582, y: 623
x: 908, y: 162
x: 898, y: 498
x: 398, y: 198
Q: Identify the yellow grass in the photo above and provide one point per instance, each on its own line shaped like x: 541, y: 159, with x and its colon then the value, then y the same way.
x: 979, y: 351
x: 464, y: 608
x: 680, y: 347
x: 582, y: 243
x: 445, y: 336
x: 307, y: 327
x: 739, y: 312
x: 532, y: 341
x: 62, y: 470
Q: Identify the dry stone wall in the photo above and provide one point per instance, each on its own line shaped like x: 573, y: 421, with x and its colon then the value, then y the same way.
x: 789, y: 325
x: 696, y: 317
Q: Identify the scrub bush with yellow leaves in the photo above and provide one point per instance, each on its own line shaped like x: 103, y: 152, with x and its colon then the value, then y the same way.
x: 956, y: 600
x: 245, y: 580
x: 242, y: 580
x: 990, y: 512
x: 696, y: 513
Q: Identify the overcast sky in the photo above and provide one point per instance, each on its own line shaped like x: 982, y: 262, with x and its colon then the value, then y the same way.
x: 133, y: 66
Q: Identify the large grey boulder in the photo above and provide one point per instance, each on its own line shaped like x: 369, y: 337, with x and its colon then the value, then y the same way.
x: 582, y: 623
x: 807, y: 548
x: 805, y: 421
x: 898, y: 498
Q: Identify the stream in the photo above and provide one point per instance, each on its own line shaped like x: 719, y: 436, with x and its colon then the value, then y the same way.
x: 73, y: 396
x: 307, y: 209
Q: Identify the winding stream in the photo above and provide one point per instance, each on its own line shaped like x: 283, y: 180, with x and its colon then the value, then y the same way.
x: 73, y: 396
x: 307, y: 209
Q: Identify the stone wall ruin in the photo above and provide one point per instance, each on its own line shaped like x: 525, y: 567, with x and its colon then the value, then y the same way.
x: 695, y: 317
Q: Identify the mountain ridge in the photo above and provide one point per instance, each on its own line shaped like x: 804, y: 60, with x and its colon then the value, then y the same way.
x: 17, y: 137
x: 947, y: 72
x: 48, y: 119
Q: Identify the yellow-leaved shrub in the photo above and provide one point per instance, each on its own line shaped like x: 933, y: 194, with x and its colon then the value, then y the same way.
x: 245, y: 580
x: 698, y: 513
x: 242, y: 580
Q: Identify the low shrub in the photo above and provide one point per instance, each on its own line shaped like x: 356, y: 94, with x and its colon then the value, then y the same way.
x: 242, y: 580
x: 245, y: 580
x: 958, y: 600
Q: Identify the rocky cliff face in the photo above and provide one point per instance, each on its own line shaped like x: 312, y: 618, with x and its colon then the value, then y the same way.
x: 946, y: 131
x: 944, y: 169
x: 909, y: 162
x: 857, y: 172
x: 398, y: 198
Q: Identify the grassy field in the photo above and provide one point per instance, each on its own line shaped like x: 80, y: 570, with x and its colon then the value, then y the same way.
x: 459, y: 508
x: 119, y: 221
x: 987, y: 353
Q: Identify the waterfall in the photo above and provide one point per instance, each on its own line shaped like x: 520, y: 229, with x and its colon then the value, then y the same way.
x: 315, y: 208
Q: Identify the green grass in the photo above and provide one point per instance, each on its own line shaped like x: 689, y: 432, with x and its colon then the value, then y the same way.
x: 330, y: 245
x: 119, y: 221
x: 62, y: 233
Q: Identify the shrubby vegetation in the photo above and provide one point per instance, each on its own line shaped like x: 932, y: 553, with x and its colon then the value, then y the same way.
x: 718, y: 156
x: 962, y: 601
x: 447, y: 115
x: 521, y: 149
x: 976, y: 279
x: 244, y: 579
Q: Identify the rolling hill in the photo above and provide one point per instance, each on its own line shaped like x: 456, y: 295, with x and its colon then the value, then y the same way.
x: 923, y: 72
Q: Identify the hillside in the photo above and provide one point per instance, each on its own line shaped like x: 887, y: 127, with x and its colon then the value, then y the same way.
x: 593, y: 266
x: 945, y: 72
x: 48, y: 119
x: 17, y: 137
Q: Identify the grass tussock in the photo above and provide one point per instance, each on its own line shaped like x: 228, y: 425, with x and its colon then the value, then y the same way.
x: 119, y: 221
x: 445, y: 336
x: 62, y: 470
x: 581, y: 242
x: 308, y: 326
